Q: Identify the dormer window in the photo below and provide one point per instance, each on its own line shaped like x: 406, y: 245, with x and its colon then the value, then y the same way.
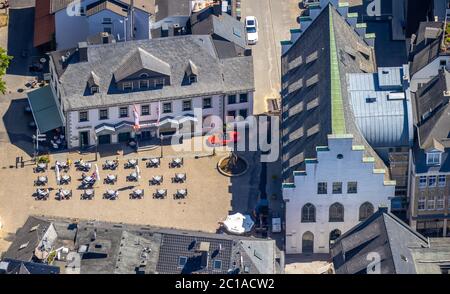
x: 93, y: 83
x: 94, y: 89
x: 433, y: 158
x: 192, y: 79
x: 127, y: 86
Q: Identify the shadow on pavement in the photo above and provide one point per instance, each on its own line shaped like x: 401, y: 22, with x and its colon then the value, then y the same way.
x: 20, y: 40
x: 16, y: 123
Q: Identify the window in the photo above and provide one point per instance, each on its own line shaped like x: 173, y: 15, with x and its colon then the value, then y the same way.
x: 243, y: 98
x: 127, y: 86
x: 421, y: 202
x: 192, y: 79
x: 422, y: 182
x: 83, y: 116
x: 243, y: 113
x: 159, y: 83
x: 187, y: 105
x: 352, y: 187
x: 106, y: 20
x: 337, y: 188
x: 123, y: 112
x: 440, y: 202
x: 207, y: 103
x: 336, y: 213
x: 443, y: 62
x: 167, y: 107
x: 308, y: 213
x: 365, y: 211
x: 217, y: 264
x: 232, y: 113
x: 107, y: 30
x: 442, y: 181
x: 103, y: 114
x: 231, y: 99
x: 143, y: 75
x: 432, y: 181
x: 145, y: 109
x: 182, y: 260
x: 433, y: 158
x: 431, y: 202
x: 94, y: 89
x: 143, y: 84
x: 322, y: 188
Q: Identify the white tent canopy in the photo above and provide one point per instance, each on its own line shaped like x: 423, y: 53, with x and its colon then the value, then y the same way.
x: 238, y: 223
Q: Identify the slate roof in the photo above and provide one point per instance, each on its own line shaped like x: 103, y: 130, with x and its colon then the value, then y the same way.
x: 113, y: 6
x: 145, y: 5
x: 57, y: 5
x: 224, y: 26
x: 433, y: 259
x: 12, y: 266
x: 425, y: 49
x: 432, y: 118
x: 383, y: 234
x: 168, y: 8
x: 139, y: 60
x: 324, y: 105
x: 107, y: 248
x: 215, y: 75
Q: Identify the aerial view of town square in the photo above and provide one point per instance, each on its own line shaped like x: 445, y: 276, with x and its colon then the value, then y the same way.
x: 245, y: 137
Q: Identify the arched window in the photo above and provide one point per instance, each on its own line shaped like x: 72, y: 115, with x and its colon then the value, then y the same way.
x: 336, y: 212
x: 308, y: 242
x: 365, y: 211
x: 143, y: 76
x: 308, y: 213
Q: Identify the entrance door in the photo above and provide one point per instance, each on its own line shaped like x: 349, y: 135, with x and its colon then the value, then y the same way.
x: 104, y: 139
x: 308, y: 242
x: 124, y: 137
x: 84, y: 139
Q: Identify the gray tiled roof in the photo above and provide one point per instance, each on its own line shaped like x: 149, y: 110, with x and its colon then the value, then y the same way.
x: 215, y: 76
x: 316, y: 41
x: 382, y: 234
x: 426, y: 50
x: 432, y: 117
x: 128, y: 249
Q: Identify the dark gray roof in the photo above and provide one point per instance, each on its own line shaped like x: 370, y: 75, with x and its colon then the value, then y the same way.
x: 432, y: 111
x: 223, y: 26
x: 427, y: 47
x: 107, y: 248
x: 57, y: 5
x: 215, y: 75
x: 383, y: 234
x: 432, y: 117
x: 12, y: 266
x: 315, y: 102
x: 167, y: 8
x: 30, y: 234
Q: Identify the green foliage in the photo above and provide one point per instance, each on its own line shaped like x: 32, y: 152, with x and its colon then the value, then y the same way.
x: 4, y: 63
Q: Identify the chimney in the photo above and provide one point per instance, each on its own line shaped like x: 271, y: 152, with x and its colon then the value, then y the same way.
x: 217, y: 8
x: 83, y: 51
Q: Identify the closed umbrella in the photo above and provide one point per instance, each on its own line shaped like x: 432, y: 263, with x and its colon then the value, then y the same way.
x: 138, y: 172
x: 97, y: 174
x: 58, y: 175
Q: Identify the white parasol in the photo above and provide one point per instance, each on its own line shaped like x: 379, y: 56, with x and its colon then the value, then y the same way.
x: 58, y: 174
x: 97, y: 173
x: 239, y: 223
x: 138, y: 172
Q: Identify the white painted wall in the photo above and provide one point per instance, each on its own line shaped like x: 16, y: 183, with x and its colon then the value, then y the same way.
x: 371, y: 188
x: 74, y: 126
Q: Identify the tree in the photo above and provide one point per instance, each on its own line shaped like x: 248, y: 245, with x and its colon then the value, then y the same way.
x: 4, y: 63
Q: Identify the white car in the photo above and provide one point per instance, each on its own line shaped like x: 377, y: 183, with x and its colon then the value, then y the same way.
x: 251, y: 26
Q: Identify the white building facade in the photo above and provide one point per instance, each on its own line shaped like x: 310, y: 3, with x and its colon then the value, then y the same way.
x: 335, y: 192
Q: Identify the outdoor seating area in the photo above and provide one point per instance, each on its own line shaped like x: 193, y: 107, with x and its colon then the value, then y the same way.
x: 89, y: 182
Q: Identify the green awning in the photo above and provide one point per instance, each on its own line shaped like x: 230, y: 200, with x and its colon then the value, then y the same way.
x: 44, y: 108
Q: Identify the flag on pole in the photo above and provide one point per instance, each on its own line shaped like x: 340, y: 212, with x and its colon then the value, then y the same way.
x: 137, y: 125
